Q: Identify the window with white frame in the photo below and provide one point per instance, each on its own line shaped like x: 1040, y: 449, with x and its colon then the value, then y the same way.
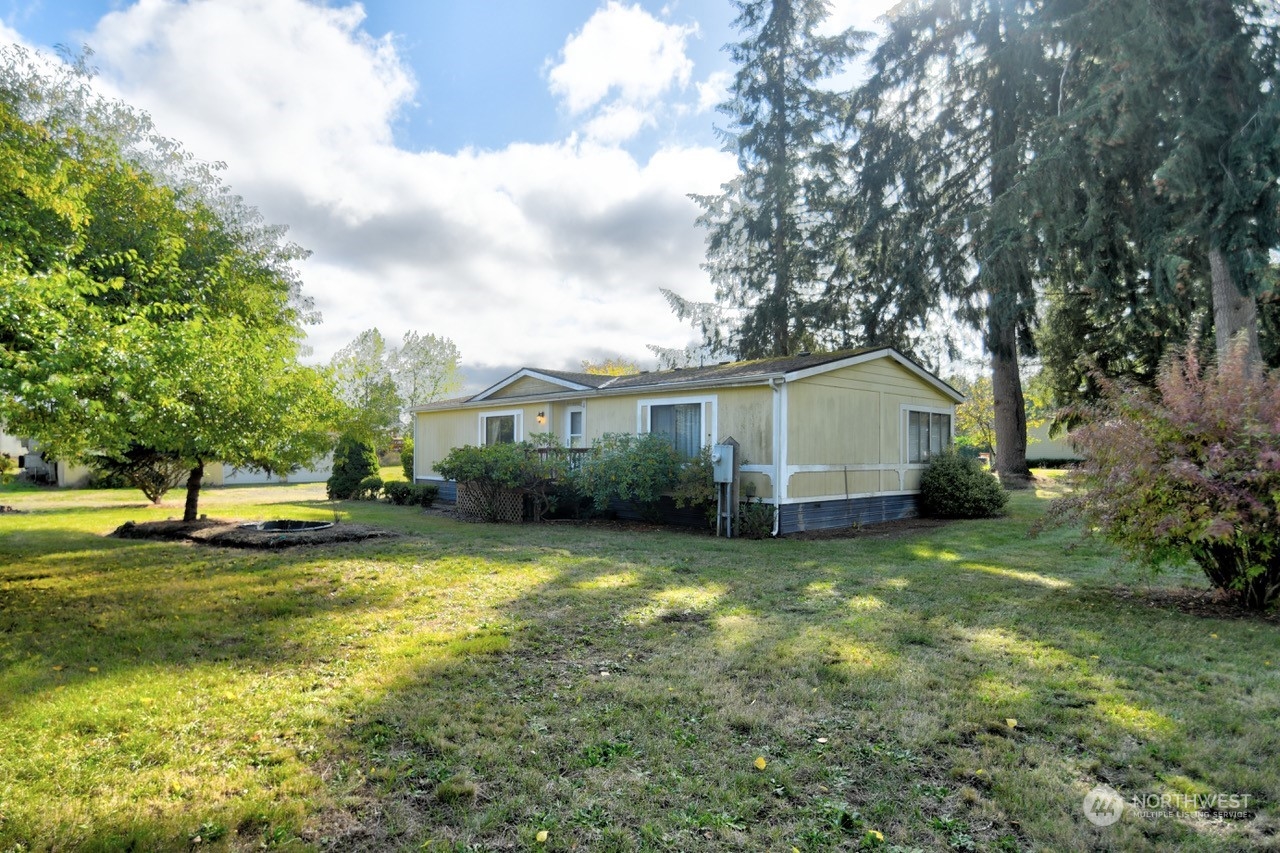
x: 687, y: 422
x: 501, y: 427
x: 575, y: 427
x: 928, y: 433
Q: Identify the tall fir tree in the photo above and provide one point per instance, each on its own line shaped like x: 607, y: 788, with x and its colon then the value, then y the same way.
x: 944, y: 125
x: 1159, y: 182
x: 771, y: 243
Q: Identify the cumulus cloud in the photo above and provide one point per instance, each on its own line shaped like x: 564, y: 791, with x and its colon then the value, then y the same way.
x: 530, y: 254
x: 621, y: 64
x: 714, y: 90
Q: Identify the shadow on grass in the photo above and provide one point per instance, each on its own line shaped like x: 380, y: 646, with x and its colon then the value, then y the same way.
x: 480, y: 684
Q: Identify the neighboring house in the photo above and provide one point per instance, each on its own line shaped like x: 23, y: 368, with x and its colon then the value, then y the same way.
x: 221, y: 474
x: 1040, y: 447
x: 829, y: 439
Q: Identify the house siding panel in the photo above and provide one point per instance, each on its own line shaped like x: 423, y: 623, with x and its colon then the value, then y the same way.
x: 527, y: 386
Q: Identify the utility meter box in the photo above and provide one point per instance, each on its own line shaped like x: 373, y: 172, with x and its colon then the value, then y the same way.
x: 722, y: 463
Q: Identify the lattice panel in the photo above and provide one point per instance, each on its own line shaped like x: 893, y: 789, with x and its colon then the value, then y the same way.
x: 473, y: 505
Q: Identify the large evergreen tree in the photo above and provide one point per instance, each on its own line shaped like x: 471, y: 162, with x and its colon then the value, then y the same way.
x: 771, y: 244
x: 945, y: 123
x: 1159, y: 182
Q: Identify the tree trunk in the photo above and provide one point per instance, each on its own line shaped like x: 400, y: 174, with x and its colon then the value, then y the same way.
x: 194, y: 479
x: 1235, y: 314
x: 1010, y: 411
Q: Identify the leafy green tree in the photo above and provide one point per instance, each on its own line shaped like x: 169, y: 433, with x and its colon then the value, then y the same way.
x: 611, y: 367
x: 424, y: 369
x: 770, y: 240
x: 975, y: 417
x: 142, y: 304
x: 363, y: 382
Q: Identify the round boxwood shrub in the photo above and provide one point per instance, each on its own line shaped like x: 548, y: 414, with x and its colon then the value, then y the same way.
x: 353, y: 460
x: 955, y: 487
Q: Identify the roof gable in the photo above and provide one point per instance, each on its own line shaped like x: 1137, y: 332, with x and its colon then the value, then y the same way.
x: 558, y: 380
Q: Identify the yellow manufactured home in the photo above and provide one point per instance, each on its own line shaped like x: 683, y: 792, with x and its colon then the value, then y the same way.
x: 829, y: 439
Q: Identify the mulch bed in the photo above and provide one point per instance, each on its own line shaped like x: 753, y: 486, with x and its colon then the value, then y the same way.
x: 230, y: 534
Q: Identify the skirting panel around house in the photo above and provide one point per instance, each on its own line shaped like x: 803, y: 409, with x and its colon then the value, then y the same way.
x: 825, y: 515
x: 448, y: 489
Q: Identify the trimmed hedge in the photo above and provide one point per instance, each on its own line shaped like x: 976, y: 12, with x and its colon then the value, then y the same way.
x: 411, y: 494
x: 353, y: 461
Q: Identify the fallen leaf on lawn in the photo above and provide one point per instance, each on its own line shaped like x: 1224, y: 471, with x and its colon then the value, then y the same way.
x: 761, y: 763
x: 1011, y: 723
x: 542, y: 836
x: 93, y: 669
x: 822, y: 740
x: 58, y: 668
x: 875, y: 835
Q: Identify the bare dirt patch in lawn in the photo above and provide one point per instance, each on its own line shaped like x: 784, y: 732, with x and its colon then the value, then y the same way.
x: 234, y: 534
x: 1210, y: 603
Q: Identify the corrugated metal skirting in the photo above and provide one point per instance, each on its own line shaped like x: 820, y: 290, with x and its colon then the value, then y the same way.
x: 448, y: 489
x: 824, y: 515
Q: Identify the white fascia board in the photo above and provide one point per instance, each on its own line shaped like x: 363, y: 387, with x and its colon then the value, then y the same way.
x: 533, y: 374
x: 887, y: 352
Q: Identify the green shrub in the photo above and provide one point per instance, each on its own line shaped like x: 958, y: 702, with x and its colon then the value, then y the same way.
x: 424, y: 494
x: 632, y: 468
x: 1189, y: 472
x: 955, y: 487
x: 406, y: 459
x: 695, y: 486
x: 353, y: 460
x: 410, y: 494
x: 370, y: 488
x: 755, y: 520
x: 493, y: 469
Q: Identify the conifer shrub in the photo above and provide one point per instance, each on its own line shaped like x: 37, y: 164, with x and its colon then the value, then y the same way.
x: 954, y: 486
x: 406, y: 459
x: 353, y: 460
x: 1188, y: 471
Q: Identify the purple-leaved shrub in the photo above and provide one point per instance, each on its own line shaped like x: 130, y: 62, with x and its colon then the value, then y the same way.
x: 1190, y: 470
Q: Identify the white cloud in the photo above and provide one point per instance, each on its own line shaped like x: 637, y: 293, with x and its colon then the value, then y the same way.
x: 714, y: 90
x: 531, y: 254
x: 625, y: 51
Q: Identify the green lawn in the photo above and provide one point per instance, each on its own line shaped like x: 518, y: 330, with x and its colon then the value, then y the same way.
x: 470, y: 686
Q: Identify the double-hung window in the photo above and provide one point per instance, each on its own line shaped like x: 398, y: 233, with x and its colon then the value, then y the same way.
x: 928, y: 433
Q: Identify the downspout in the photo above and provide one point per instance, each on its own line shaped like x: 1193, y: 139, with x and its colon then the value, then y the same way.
x: 777, y: 456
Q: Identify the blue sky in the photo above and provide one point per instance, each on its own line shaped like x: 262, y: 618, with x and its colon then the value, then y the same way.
x: 513, y: 175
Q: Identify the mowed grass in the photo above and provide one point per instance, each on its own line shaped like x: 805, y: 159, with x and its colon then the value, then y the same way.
x: 466, y: 687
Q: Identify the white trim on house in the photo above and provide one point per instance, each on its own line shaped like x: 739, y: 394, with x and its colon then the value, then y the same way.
x: 849, y: 497
x: 518, y: 430
x: 569, y: 434
x: 710, y: 428
x: 530, y: 373
x: 904, y: 453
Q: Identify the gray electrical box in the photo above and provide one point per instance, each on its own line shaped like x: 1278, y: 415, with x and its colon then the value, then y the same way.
x: 722, y: 463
